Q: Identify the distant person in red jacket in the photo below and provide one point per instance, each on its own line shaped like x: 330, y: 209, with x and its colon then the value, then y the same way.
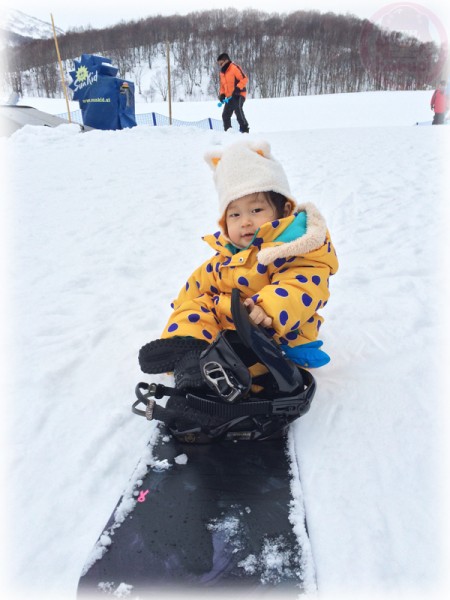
x: 439, y: 103
x: 233, y: 91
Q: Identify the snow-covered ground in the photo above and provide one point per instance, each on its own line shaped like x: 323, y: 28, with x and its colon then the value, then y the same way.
x: 101, y: 230
x: 17, y: 22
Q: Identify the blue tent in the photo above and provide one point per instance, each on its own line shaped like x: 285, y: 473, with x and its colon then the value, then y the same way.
x: 106, y: 101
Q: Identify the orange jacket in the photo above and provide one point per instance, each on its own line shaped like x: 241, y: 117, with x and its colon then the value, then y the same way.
x: 233, y: 77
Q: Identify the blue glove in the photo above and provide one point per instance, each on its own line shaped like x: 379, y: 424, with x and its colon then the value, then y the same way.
x: 224, y: 101
x: 307, y: 355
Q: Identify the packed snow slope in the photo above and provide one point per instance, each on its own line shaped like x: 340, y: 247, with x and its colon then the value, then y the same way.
x: 103, y: 230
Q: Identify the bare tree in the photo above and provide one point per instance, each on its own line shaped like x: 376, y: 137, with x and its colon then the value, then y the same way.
x: 304, y: 52
x: 161, y: 83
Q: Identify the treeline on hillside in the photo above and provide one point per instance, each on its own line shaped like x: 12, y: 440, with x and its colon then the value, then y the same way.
x: 300, y: 53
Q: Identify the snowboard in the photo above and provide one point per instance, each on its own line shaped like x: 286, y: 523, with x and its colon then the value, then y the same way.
x: 201, y: 518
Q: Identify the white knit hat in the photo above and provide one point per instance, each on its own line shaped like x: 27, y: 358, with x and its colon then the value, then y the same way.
x: 246, y: 167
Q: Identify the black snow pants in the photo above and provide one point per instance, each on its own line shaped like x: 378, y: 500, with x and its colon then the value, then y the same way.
x: 439, y: 119
x: 234, y: 105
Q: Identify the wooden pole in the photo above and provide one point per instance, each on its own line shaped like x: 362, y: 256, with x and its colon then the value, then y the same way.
x: 168, y: 80
x: 61, y: 70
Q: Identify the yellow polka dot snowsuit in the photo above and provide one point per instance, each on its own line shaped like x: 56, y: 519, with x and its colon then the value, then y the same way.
x: 288, y: 279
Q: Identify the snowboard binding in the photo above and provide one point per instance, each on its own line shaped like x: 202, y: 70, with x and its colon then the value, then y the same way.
x: 231, y: 404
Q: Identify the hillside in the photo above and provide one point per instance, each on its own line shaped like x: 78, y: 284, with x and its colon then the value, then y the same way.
x: 18, y: 28
x: 300, y: 53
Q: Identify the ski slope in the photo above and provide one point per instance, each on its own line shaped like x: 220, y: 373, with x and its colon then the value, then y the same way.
x: 101, y: 230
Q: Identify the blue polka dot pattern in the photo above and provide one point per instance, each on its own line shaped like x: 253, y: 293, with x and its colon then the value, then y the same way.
x: 204, y: 309
x: 207, y: 335
x: 306, y: 299
x: 292, y: 335
x: 296, y: 325
x: 172, y: 327
x: 209, y: 268
x: 258, y: 242
x: 275, y: 224
x: 315, y: 279
x: 193, y: 318
x: 301, y: 278
x: 214, y: 289
x: 261, y: 269
x: 284, y: 317
x: 279, y: 262
x: 243, y: 281
x: 255, y: 298
x: 187, y: 285
x: 281, y: 292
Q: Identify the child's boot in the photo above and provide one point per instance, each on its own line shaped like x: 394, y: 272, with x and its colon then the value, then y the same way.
x: 187, y: 372
x: 161, y: 356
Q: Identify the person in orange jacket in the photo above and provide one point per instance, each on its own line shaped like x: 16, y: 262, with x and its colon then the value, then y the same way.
x: 439, y: 103
x: 233, y: 91
x: 277, y: 253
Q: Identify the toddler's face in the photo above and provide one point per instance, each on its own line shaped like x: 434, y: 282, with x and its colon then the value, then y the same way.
x: 245, y: 216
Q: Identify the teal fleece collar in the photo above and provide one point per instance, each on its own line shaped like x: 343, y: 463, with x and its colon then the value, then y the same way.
x: 295, y: 230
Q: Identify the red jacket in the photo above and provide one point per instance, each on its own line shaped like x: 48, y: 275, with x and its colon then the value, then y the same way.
x: 231, y: 77
x: 439, y: 102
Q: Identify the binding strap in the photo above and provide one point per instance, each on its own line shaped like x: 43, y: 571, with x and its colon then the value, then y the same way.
x: 292, y: 406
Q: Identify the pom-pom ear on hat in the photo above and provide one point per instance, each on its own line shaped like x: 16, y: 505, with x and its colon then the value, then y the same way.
x: 246, y: 167
x: 213, y: 157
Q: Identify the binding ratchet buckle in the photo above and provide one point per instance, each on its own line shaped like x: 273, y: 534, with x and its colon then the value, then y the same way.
x: 225, y: 384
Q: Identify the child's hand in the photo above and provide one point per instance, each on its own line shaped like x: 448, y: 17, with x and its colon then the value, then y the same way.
x: 257, y: 314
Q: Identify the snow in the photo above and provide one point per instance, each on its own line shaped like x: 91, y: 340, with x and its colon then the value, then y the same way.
x: 274, y: 562
x: 101, y: 230
x: 365, y: 109
x: 25, y: 25
x: 181, y: 459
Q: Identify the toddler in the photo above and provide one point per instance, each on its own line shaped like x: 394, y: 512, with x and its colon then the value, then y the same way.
x: 279, y: 255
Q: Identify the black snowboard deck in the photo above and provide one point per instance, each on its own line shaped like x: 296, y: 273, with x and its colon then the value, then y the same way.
x: 216, y: 519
